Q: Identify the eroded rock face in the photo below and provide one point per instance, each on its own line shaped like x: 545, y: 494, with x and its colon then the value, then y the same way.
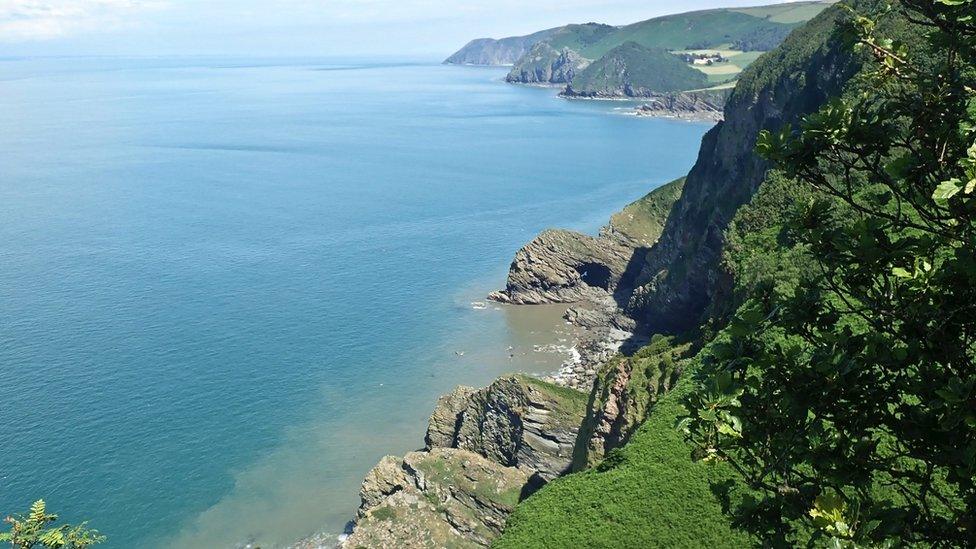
x: 443, y: 425
x: 517, y: 422
x: 442, y: 498
x: 546, y: 65
x: 686, y: 105
x: 565, y: 267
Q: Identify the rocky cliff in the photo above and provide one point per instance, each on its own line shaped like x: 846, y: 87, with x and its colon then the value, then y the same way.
x: 703, y: 105
x: 565, y: 267
x: 544, y: 64
x: 486, y: 450
x: 682, y: 274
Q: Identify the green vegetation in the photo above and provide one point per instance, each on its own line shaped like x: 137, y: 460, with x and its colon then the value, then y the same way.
x: 847, y: 399
x: 642, y: 222
x: 794, y: 12
x: 579, y: 37
x: 745, y: 32
x: 647, y: 494
x: 35, y: 530
x: 634, y: 70
x: 836, y: 406
x: 695, y: 30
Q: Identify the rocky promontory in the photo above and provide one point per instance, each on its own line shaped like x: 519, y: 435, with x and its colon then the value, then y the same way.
x: 564, y: 267
x: 706, y: 105
x: 547, y: 65
x: 486, y: 450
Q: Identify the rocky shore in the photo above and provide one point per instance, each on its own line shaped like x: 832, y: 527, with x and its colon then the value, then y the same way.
x: 487, y: 449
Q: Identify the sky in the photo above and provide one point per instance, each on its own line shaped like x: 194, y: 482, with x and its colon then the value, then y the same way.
x: 299, y: 27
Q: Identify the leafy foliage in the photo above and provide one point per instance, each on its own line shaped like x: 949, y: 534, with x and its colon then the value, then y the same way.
x: 35, y: 530
x: 848, y: 402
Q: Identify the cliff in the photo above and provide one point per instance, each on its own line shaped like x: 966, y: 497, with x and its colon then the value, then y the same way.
x: 562, y: 266
x: 545, y: 65
x: 486, y: 450
x: 569, y: 51
x: 706, y: 105
x: 660, y: 261
x: 681, y: 274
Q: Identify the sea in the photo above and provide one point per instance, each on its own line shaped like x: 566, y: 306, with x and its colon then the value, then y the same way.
x: 229, y: 286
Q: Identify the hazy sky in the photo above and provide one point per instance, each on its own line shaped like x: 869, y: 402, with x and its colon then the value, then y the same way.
x: 299, y: 27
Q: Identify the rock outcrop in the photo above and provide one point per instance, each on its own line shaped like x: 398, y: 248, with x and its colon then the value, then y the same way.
x: 565, y: 267
x: 705, y: 105
x: 546, y: 65
x: 486, y: 449
x: 517, y: 421
x: 441, y: 498
x: 623, y: 394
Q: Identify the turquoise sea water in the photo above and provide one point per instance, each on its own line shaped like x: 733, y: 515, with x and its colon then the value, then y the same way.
x: 227, y: 286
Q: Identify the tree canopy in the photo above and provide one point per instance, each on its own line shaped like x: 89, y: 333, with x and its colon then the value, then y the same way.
x: 846, y: 401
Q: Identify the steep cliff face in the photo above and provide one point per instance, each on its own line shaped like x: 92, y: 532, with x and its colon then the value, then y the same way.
x: 486, y: 449
x: 488, y: 51
x: 623, y: 395
x: 544, y: 64
x: 565, y: 267
x: 692, y: 105
x: 682, y: 272
x: 517, y: 421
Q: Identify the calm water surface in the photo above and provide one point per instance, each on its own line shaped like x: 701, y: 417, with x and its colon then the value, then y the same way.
x: 228, y: 287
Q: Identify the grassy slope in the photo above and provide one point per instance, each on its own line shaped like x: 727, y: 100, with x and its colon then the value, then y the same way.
x: 646, y: 494
x: 703, y: 29
x: 643, y: 221
x: 793, y: 12
x: 654, y: 69
x: 579, y: 37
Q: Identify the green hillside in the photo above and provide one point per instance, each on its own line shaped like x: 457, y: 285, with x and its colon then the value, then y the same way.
x: 695, y: 30
x: 739, y: 35
x: 579, y: 37
x: 634, y: 70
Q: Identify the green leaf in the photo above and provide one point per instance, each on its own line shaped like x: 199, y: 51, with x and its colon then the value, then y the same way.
x: 946, y: 190
x: 901, y: 273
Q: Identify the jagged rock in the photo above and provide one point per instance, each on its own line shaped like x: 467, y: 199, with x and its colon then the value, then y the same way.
x: 704, y: 105
x: 443, y: 425
x: 623, y: 394
x: 384, y: 480
x: 546, y: 65
x: 442, y: 498
x: 564, y: 267
x: 518, y: 421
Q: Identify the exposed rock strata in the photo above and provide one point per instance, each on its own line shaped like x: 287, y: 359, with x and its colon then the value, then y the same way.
x: 516, y: 421
x: 706, y: 106
x: 565, y: 267
x: 623, y: 394
x: 441, y: 498
x: 485, y: 449
x: 546, y: 65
